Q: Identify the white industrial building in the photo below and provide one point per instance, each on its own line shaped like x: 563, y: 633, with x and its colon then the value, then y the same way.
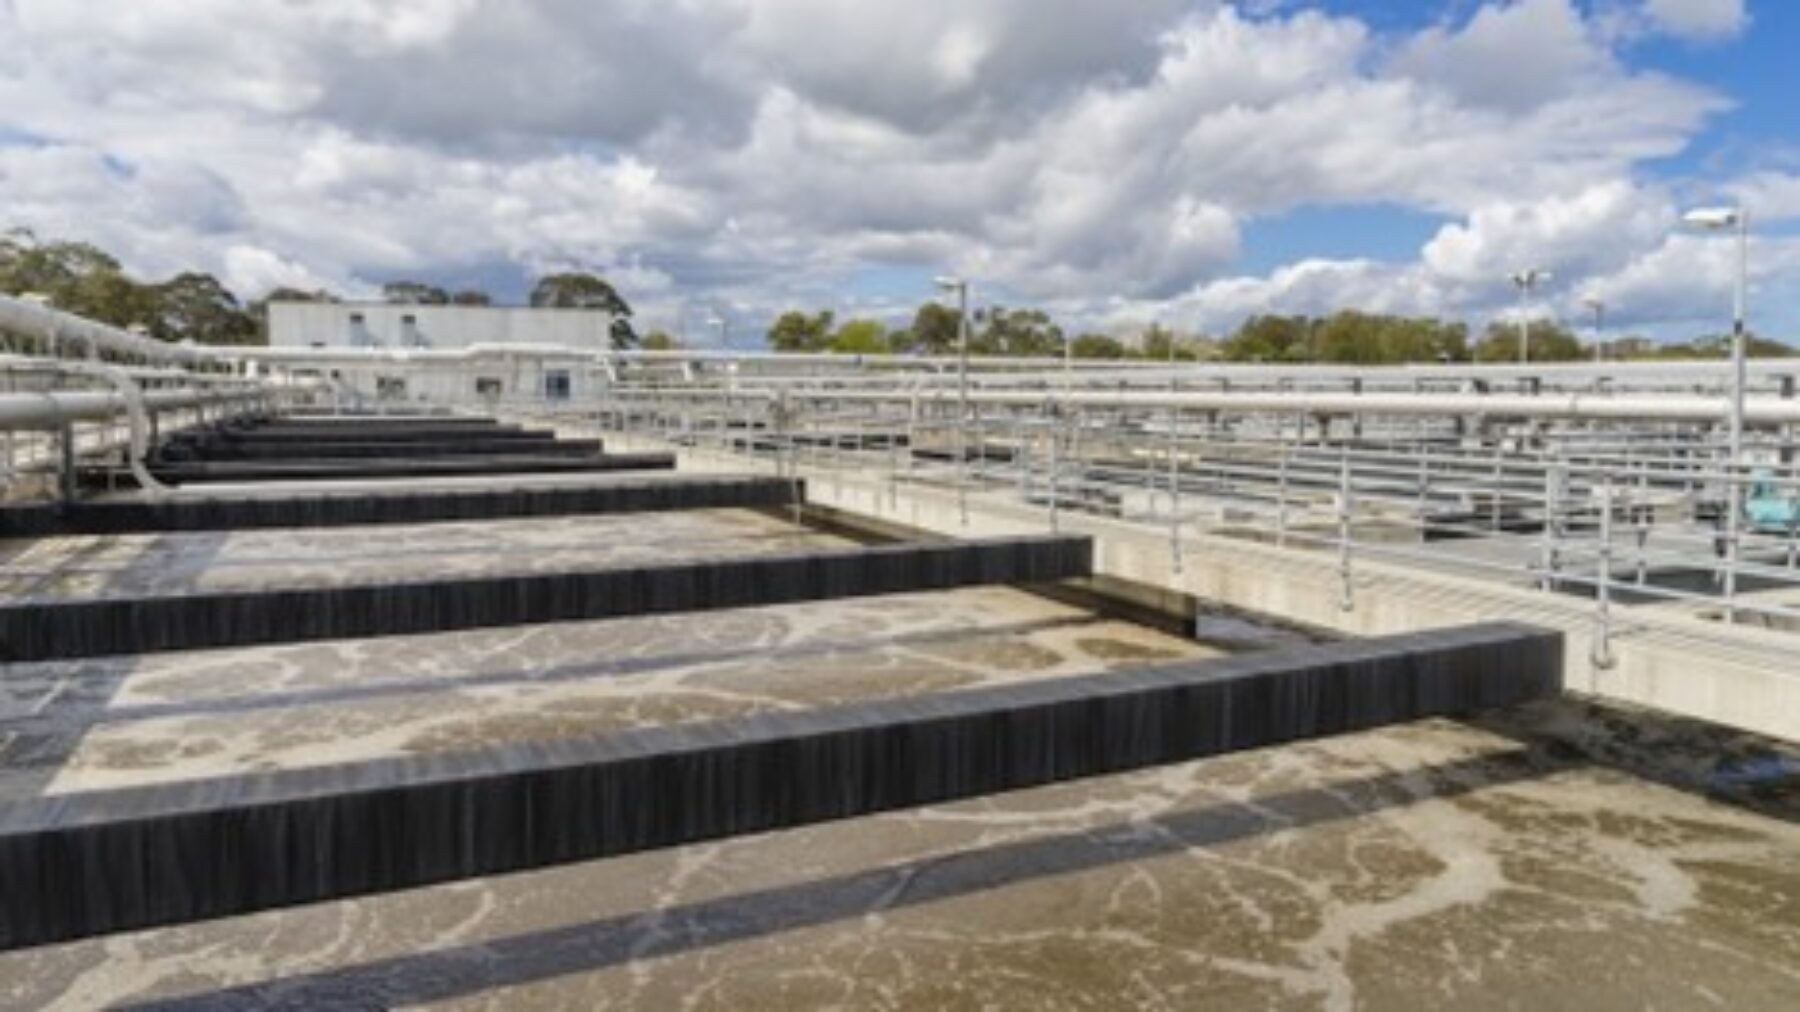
x: 389, y: 352
x: 332, y: 325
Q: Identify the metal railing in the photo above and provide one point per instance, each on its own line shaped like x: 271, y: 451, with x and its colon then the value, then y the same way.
x: 1640, y: 515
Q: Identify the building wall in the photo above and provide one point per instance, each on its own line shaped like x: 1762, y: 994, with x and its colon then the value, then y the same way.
x: 380, y: 325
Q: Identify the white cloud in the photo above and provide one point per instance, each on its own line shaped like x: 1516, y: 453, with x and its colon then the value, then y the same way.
x: 1513, y: 56
x: 1592, y: 231
x: 752, y: 152
x: 1698, y: 19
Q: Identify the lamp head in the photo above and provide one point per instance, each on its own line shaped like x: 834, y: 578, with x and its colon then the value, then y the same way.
x: 1712, y: 217
x: 948, y: 283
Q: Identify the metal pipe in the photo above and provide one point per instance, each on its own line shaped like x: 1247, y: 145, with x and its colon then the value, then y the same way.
x: 50, y: 408
x: 33, y: 319
x: 1647, y: 407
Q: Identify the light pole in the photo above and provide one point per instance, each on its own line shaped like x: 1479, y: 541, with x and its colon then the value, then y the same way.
x: 724, y: 326
x: 1598, y: 308
x: 1527, y: 281
x: 961, y: 287
x: 1719, y: 219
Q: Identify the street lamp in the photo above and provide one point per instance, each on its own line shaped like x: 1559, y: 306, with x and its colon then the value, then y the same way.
x: 1598, y: 308
x: 961, y: 287
x: 1720, y: 219
x: 1527, y: 281
x: 724, y: 325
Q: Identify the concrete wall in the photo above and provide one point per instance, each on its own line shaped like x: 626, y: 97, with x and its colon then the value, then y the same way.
x: 1682, y: 664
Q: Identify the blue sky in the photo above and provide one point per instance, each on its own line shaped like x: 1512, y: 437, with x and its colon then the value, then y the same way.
x: 1112, y: 161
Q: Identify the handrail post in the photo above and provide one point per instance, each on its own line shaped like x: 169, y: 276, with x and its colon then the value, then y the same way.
x: 1601, y: 651
x: 65, y: 476
x: 1346, y: 586
x: 1175, y: 489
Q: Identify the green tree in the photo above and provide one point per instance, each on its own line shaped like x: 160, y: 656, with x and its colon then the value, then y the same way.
x: 860, y: 337
x: 471, y: 297
x: 1158, y: 342
x: 580, y: 290
x: 196, y: 306
x: 1098, y: 346
x: 933, y: 331
x: 1348, y: 336
x: 797, y: 331
x: 1019, y: 333
x: 1550, y: 342
x: 75, y: 276
x: 1271, y: 339
x: 48, y: 268
x: 110, y: 297
x: 660, y: 340
x: 1716, y: 346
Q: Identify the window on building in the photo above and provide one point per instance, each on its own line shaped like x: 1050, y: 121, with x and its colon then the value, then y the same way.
x: 390, y: 387
x: 556, y: 385
x: 488, y: 386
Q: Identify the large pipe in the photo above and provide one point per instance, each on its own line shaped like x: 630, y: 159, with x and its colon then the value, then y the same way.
x: 1654, y: 407
x: 55, y: 327
x: 50, y: 408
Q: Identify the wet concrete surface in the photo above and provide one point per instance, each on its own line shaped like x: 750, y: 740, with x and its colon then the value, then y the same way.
x: 87, y: 566
x: 87, y: 725
x: 1537, y: 860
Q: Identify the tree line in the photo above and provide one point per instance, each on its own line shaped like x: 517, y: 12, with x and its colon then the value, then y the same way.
x: 82, y: 278
x: 1346, y: 337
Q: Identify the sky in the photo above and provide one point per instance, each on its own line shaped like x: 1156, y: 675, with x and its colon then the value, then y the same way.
x: 1115, y: 162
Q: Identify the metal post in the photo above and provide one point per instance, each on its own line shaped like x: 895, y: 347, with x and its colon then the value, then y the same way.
x: 1346, y: 588
x: 1175, y: 490
x: 1601, y: 651
x: 962, y: 396
x: 1055, y: 467
x: 1525, y: 322
x: 1550, y: 539
x: 66, y: 473
x: 1739, y: 338
x: 1281, y: 498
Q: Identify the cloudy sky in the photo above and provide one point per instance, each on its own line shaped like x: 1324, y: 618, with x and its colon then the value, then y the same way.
x: 1114, y: 161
